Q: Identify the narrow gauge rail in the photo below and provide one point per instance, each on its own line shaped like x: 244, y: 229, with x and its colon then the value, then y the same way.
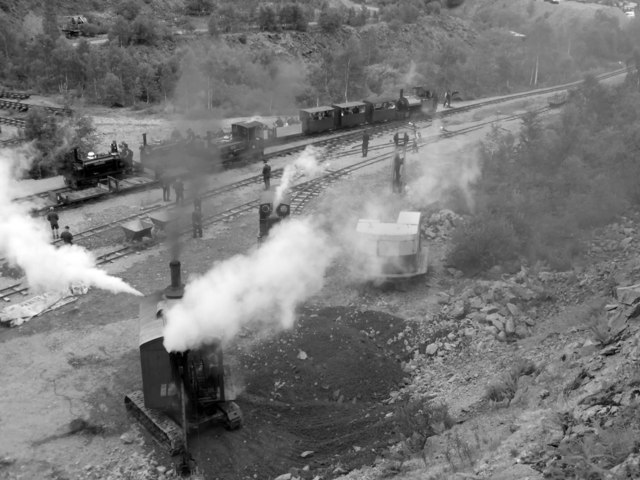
x: 332, y: 139
x: 16, y: 122
x: 14, y: 95
x: 303, y: 192
x: 24, y: 107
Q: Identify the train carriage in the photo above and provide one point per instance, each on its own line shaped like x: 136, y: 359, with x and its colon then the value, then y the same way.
x: 318, y: 119
x: 380, y: 109
x: 350, y: 114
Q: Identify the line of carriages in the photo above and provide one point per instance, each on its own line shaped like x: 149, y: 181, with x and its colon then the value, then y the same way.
x: 368, y: 111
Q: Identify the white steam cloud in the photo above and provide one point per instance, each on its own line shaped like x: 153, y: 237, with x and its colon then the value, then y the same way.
x: 263, y: 287
x: 439, y: 169
x: 305, y: 165
x: 24, y: 241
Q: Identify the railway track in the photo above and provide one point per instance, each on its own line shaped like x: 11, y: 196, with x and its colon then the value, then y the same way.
x: 303, y: 193
x: 14, y: 95
x: 16, y: 122
x: 24, y: 107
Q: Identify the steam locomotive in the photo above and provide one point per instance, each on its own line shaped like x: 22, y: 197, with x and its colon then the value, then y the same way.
x: 87, y: 171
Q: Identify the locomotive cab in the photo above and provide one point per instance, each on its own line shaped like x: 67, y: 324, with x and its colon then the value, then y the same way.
x: 247, y: 138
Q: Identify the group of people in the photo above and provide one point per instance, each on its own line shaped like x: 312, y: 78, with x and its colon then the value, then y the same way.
x: 178, y: 187
x: 53, y: 218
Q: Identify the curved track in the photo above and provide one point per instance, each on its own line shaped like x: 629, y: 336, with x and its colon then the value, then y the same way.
x: 302, y: 193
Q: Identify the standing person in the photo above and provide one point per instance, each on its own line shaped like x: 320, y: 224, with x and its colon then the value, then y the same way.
x: 365, y: 143
x: 396, y: 139
x: 405, y: 140
x: 434, y: 102
x: 178, y: 187
x: 197, y: 203
x: 397, y: 171
x: 266, y: 175
x: 166, y: 188
x: 447, y: 99
x: 196, y: 221
x: 53, y: 218
x: 414, y: 145
x: 66, y: 236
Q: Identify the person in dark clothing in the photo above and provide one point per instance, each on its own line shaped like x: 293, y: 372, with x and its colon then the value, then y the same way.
x: 178, y: 187
x: 166, y: 188
x: 405, y: 139
x: 197, y: 203
x: 414, y: 145
x: 435, y: 102
x: 447, y: 99
x: 396, y: 139
x: 397, y: 172
x: 365, y: 143
x: 196, y: 221
x: 66, y: 236
x: 266, y: 175
x: 114, y: 147
x: 53, y: 218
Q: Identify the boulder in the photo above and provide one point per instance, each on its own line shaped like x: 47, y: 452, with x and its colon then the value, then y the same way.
x: 629, y: 295
x: 431, y: 349
x: 496, y: 320
x: 510, y: 326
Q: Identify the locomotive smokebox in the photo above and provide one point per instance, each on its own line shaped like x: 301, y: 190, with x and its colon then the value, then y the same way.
x: 144, y: 139
x: 176, y: 289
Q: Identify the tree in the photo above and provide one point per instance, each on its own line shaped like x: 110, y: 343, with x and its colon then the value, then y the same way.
x: 293, y: 16
x: 128, y: 9
x: 112, y: 91
x: 330, y: 20
x: 50, y: 22
x: 267, y: 18
x: 199, y: 7
x: 228, y: 18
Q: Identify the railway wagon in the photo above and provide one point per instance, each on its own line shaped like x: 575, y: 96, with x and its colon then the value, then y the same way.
x: 318, y: 119
x: 350, y: 114
x: 246, y: 143
x: 380, y: 109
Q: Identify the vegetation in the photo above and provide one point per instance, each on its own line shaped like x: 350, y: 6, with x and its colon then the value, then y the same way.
x: 538, y: 191
x: 52, y: 139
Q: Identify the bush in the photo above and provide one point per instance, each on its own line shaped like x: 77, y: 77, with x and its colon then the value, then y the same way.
x: 128, y: 9
x: 267, y: 18
x: 483, y: 242
x: 433, y: 8
x: 199, y: 7
x: 330, y: 20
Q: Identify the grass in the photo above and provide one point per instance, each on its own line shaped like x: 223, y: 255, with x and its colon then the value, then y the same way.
x: 505, y: 389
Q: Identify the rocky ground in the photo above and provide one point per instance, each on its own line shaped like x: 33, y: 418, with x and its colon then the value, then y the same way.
x: 537, y: 369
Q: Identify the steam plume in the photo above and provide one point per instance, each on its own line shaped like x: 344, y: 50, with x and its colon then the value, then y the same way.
x: 306, y: 164
x: 262, y: 287
x: 24, y: 241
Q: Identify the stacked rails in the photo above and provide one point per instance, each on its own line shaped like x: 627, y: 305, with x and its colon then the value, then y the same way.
x: 14, y: 95
x: 16, y: 122
x: 23, y: 107
x: 9, y: 105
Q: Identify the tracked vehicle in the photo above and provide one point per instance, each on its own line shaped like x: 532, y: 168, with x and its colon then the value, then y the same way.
x: 181, y: 391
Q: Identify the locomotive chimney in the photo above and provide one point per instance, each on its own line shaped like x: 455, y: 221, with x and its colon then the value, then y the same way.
x: 76, y: 157
x: 144, y: 139
x: 176, y: 289
x: 402, y: 93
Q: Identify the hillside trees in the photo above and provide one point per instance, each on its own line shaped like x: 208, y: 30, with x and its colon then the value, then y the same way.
x: 53, y: 137
x: 544, y: 188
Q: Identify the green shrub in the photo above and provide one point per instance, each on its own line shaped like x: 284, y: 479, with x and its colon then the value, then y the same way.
x: 482, y: 242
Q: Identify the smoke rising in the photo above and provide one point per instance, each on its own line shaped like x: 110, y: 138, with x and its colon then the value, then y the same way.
x: 305, y: 165
x: 441, y: 170
x: 262, y: 287
x: 24, y: 241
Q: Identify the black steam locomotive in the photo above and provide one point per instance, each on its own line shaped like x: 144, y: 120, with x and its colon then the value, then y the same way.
x: 88, y: 170
x: 196, y: 154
